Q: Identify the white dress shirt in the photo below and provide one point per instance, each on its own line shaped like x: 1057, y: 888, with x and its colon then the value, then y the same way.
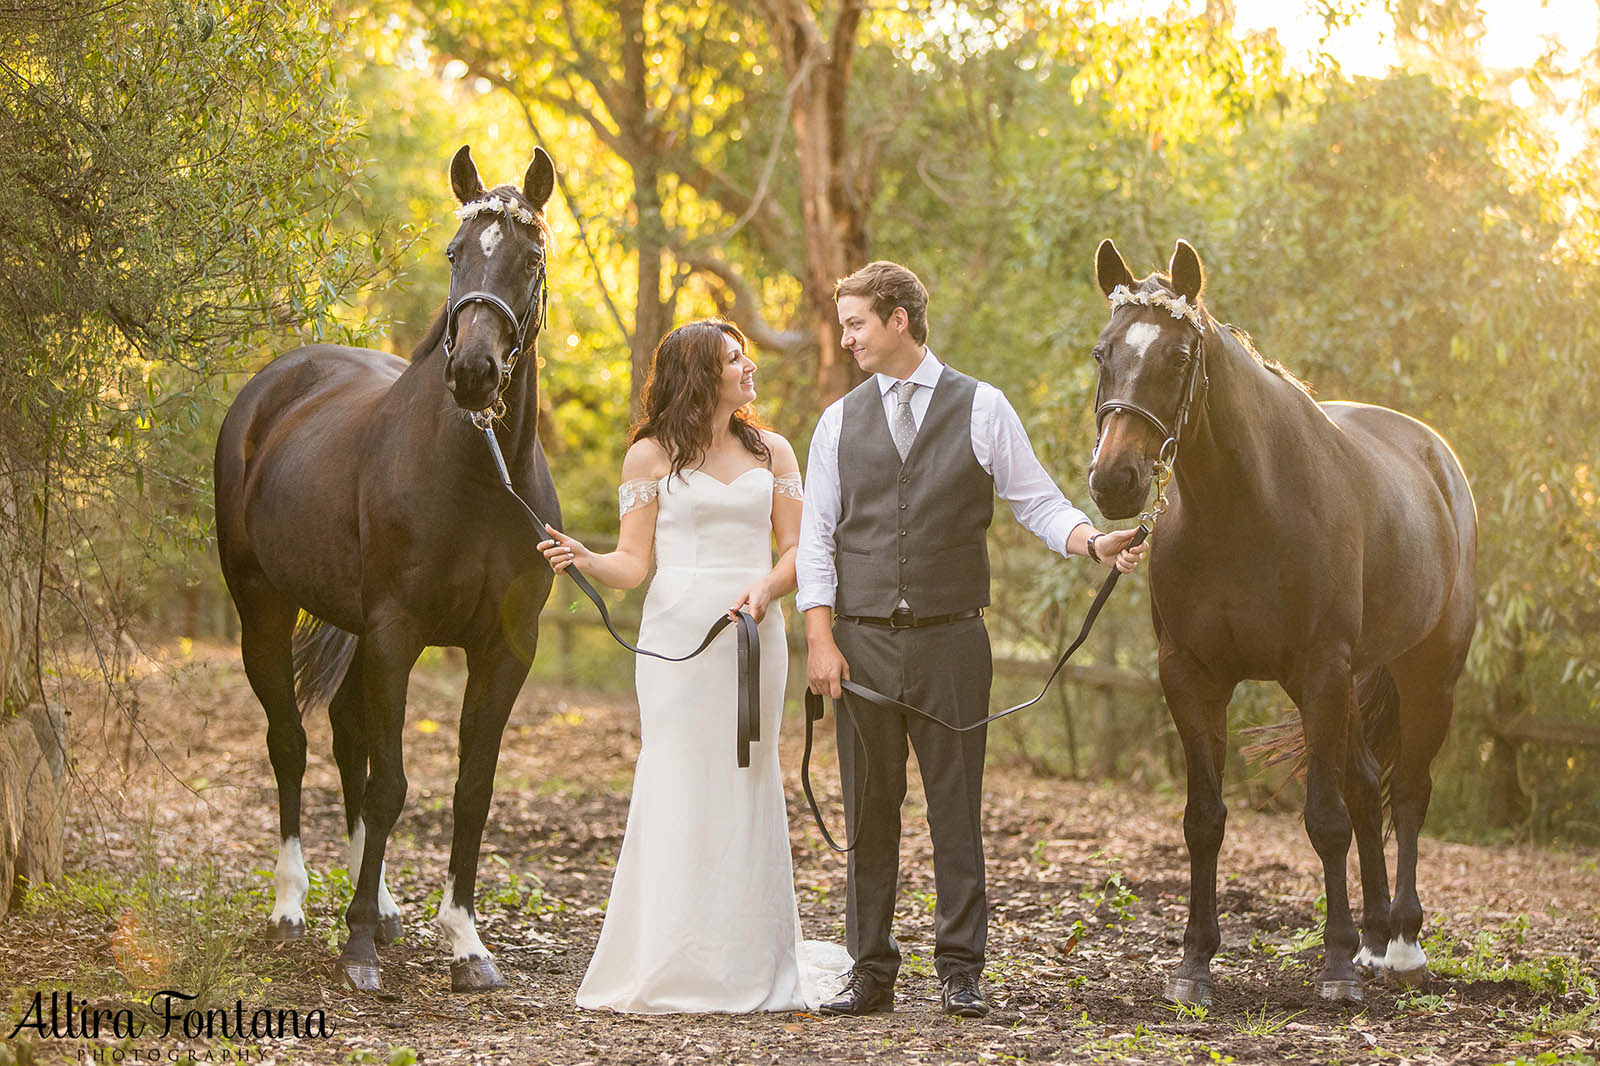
x: 999, y: 444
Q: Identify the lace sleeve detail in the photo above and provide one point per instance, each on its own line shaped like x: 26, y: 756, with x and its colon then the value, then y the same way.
x: 635, y: 494
x: 788, y: 485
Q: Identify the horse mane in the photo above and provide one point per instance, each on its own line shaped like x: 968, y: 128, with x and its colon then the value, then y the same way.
x: 1271, y: 365
x: 431, y: 339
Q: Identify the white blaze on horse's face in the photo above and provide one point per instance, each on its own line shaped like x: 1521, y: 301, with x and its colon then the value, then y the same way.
x: 1140, y: 336
x: 490, y: 239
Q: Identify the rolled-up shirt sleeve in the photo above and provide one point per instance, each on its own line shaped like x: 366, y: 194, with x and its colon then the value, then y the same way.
x: 816, y: 577
x: 1019, y: 478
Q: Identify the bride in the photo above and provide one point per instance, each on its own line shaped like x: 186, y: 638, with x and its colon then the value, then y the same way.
x: 702, y: 911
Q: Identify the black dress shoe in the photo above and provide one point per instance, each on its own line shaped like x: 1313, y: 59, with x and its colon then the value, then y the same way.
x: 862, y: 994
x: 962, y: 998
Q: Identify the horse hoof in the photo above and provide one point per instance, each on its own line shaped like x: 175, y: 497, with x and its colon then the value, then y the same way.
x: 1189, y: 991
x: 1370, y: 964
x: 387, y: 931
x: 1410, y: 978
x: 282, y: 932
x: 363, y: 977
x: 475, y: 975
x: 1341, y: 991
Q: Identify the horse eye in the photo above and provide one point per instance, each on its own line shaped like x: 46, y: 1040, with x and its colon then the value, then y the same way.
x: 1099, y: 354
x: 450, y: 254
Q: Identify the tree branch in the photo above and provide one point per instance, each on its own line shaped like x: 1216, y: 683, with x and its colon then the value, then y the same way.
x: 745, y: 309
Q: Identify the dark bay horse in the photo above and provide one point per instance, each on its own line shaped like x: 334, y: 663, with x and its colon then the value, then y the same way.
x: 354, y: 487
x: 1329, y: 547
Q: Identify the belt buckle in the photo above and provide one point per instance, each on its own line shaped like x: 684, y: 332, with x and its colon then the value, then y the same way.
x: 902, y: 618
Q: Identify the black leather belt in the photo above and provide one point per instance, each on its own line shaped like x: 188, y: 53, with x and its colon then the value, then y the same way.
x: 904, y: 619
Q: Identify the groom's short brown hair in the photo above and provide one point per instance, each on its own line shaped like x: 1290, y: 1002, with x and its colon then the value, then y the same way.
x: 889, y: 285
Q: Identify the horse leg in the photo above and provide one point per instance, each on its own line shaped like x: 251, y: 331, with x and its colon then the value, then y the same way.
x: 1199, y: 708
x: 266, y: 632
x: 1363, y: 797
x: 1426, y: 710
x: 1326, y: 697
x: 388, y: 651
x: 345, y: 715
x: 494, y: 677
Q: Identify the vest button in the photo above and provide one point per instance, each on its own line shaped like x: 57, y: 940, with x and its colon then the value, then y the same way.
x: 903, y: 559
x: 902, y: 588
x: 903, y: 506
x: 902, y: 532
x: 905, y: 479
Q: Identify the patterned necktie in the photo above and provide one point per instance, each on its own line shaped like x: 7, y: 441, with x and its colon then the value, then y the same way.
x: 903, y: 427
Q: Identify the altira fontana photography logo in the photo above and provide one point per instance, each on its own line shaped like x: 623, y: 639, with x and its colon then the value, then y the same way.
x: 62, y: 1016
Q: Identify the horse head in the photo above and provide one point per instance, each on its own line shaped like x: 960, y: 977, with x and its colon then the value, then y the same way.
x: 1151, y: 366
x: 497, y: 278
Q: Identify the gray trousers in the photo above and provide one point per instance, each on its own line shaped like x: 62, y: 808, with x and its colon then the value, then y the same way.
x: 946, y: 670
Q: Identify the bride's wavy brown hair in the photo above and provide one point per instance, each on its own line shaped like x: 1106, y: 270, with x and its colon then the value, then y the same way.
x: 680, y: 395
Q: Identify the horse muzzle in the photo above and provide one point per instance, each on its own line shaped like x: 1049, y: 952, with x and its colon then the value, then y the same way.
x: 473, y: 379
x: 1119, y: 488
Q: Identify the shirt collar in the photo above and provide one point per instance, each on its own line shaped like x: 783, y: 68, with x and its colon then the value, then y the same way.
x: 926, y: 374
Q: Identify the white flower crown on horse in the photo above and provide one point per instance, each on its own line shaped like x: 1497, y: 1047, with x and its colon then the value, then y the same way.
x: 1176, y: 306
x: 498, y: 205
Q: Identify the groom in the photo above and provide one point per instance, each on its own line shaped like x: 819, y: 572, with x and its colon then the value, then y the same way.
x: 893, y: 576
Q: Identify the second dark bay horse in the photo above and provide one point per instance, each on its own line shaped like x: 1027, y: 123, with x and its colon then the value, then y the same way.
x: 1329, y: 547
x: 354, y: 488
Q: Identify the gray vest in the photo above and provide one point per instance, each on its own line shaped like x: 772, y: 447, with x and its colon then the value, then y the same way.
x: 913, y: 531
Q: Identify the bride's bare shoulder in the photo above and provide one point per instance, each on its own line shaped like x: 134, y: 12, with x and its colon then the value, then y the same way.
x: 783, y: 457
x: 646, y: 458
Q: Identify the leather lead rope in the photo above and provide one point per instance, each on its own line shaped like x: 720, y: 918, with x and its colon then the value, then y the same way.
x: 749, y: 715
x: 815, y: 710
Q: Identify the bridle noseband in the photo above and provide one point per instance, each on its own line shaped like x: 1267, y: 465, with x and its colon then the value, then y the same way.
x: 1195, y: 382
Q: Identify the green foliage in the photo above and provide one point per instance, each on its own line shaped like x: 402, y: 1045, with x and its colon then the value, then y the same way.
x: 171, y: 171
x: 1263, y: 1024
x: 172, y: 930
x: 1490, y: 955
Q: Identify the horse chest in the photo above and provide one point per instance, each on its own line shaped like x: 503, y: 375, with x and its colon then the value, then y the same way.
x: 1247, y: 613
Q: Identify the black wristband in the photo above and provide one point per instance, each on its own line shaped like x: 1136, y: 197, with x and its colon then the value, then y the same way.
x: 1090, y: 548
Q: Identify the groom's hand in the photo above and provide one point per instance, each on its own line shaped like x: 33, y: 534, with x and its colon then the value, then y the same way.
x: 825, y: 665
x: 1114, y: 551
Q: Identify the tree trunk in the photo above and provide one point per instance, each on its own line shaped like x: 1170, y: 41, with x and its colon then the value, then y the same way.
x: 832, y: 206
x: 652, y: 316
x: 651, y: 313
x: 17, y: 673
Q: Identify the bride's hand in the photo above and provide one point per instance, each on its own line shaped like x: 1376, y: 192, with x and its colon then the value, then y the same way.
x: 564, y: 551
x: 754, y: 599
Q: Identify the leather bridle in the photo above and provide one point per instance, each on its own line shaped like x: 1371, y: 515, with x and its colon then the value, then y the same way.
x: 529, y: 325
x: 1195, y: 383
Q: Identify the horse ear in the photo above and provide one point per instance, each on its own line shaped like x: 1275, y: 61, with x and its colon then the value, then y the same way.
x: 1109, y: 269
x: 540, y: 180
x: 1188, y: 276
x: 464, y: 180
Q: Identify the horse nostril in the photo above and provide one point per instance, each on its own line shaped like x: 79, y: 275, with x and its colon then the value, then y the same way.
x: 1113, y: 482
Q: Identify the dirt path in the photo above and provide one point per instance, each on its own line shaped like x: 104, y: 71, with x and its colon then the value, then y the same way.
x: 1087, y: 889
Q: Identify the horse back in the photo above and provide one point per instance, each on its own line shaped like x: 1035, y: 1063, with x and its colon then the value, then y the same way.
x: 287, y: 471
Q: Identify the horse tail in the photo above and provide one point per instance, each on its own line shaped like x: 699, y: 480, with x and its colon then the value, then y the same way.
x: 322, y: 655
x: 1378, y: 713
x: 1379, y: 701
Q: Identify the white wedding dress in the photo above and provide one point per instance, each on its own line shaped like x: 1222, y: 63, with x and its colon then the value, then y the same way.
x: 702, y: 913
